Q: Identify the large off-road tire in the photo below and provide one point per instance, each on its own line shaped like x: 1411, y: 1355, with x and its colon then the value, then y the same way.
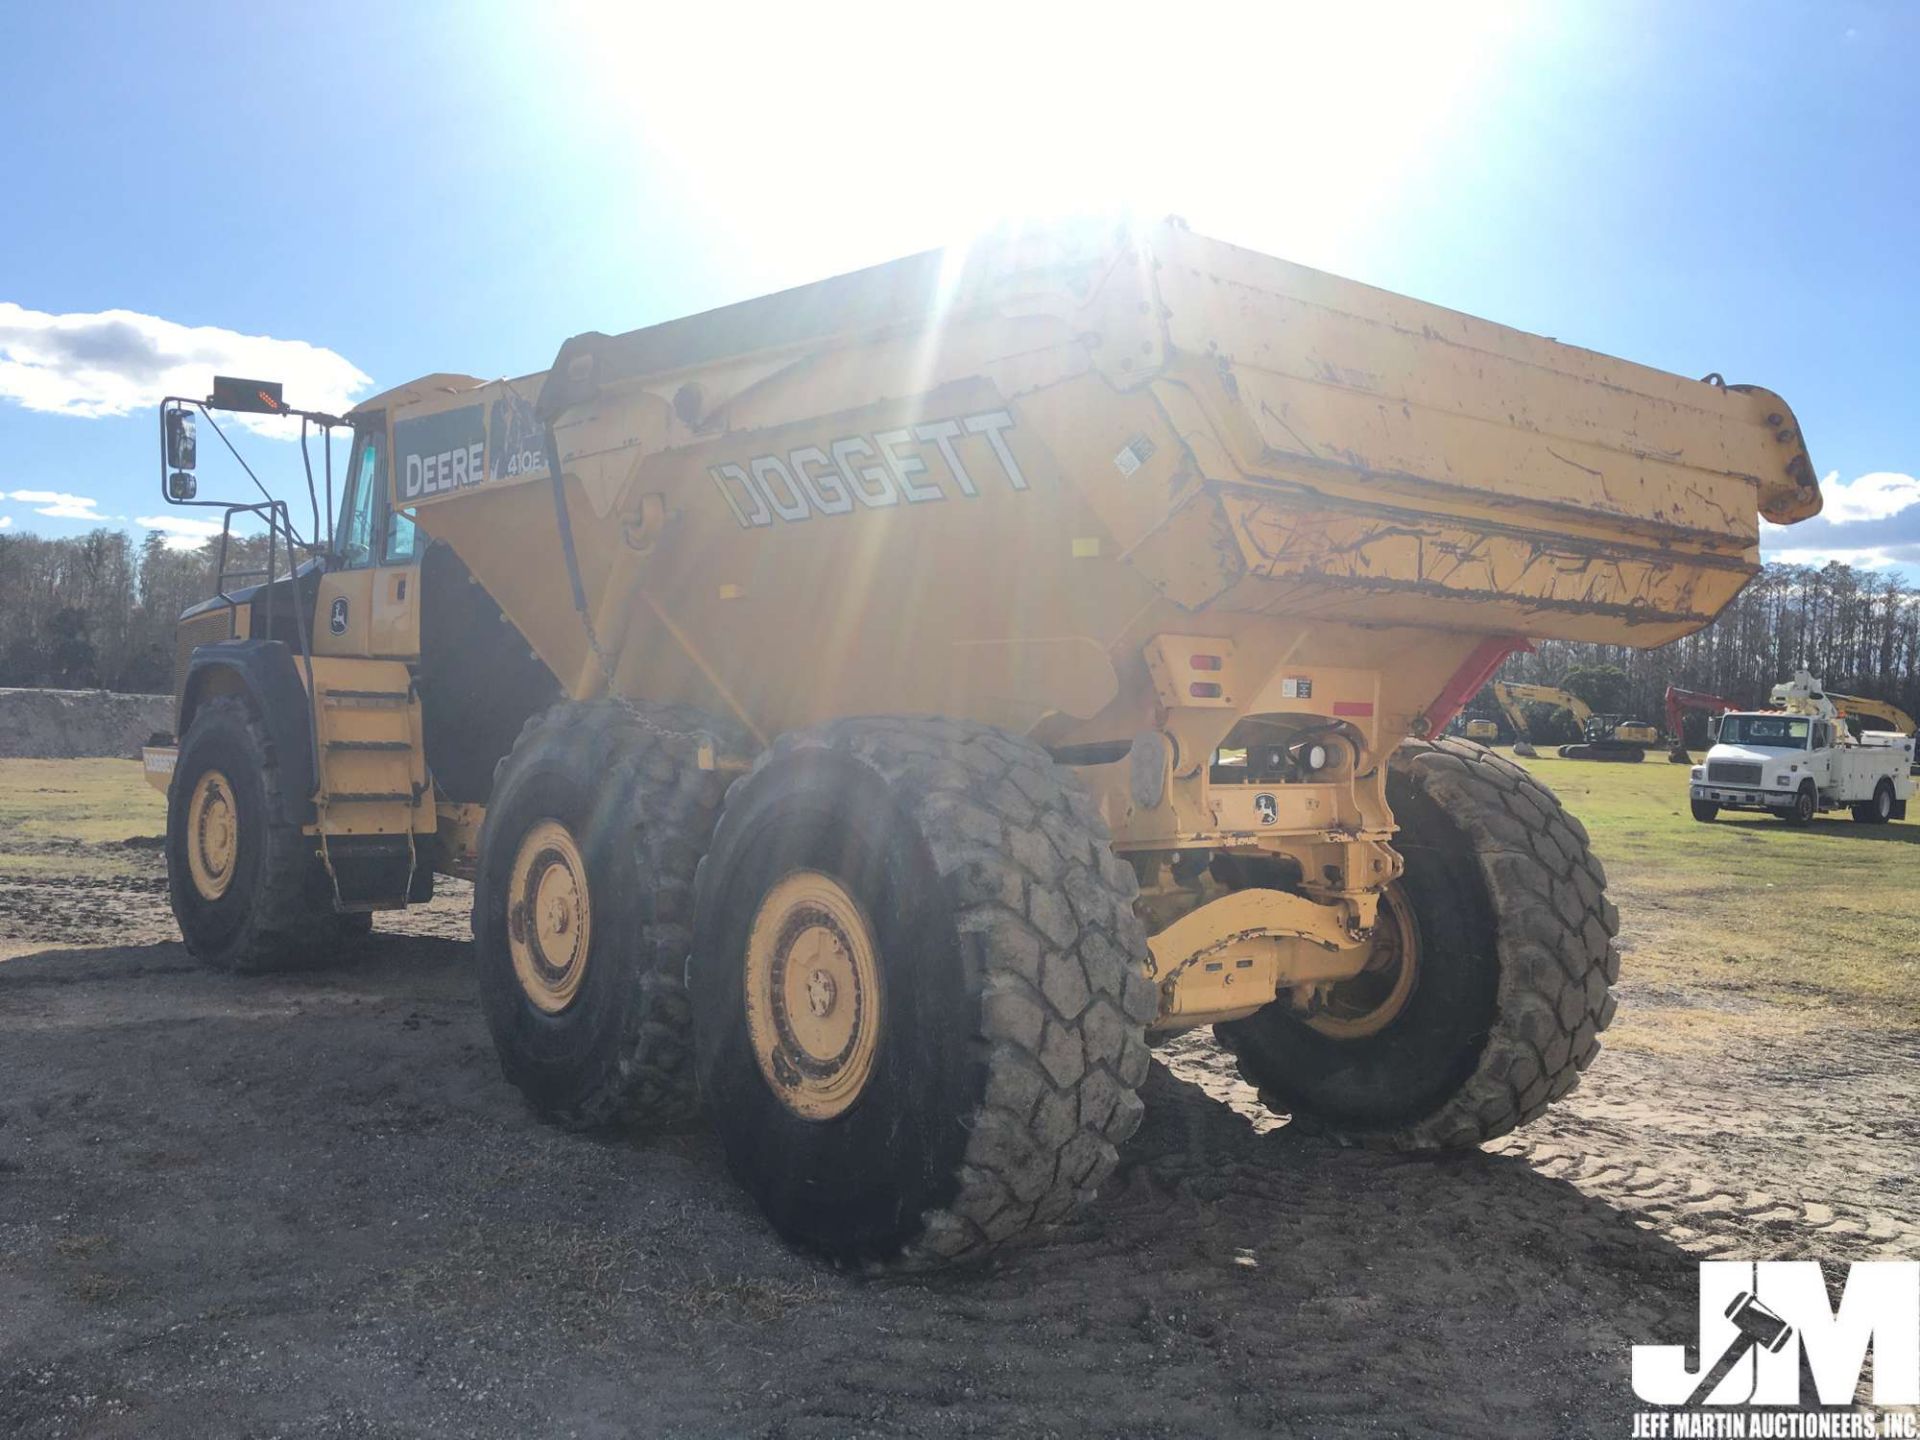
x: 247, y: 887
x: 919, y: 992
x: 1512, y: 985
x: 1879, y: 809
x: 583, y: 908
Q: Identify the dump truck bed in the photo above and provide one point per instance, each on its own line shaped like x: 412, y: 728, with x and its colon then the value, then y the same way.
x: 977, y: 482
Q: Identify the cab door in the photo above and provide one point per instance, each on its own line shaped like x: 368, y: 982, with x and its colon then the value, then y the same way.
x: 1820, y: 760
x: 369, y: 599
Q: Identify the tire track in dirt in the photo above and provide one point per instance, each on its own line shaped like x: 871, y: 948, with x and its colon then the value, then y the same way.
x: 1809, y: 1187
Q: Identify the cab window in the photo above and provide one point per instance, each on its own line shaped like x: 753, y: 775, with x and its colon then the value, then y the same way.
x: 366, y: 479
x: 399, y: 545
x: 1782, y: 732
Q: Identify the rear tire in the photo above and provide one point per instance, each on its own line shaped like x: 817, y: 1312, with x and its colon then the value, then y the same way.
x: 1705, y: 811
x: 1515, y: 938
x: 1879, y: 809
x: 599, y: 816
x: 247, y: 887
x: 1003, y: 987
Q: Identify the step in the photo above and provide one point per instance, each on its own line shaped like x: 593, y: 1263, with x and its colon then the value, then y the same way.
x: 369, y: 745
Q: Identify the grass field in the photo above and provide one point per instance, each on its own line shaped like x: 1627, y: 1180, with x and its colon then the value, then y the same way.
x: 74, y: 816
x: 1748, y: 908
x: 1745, y: 922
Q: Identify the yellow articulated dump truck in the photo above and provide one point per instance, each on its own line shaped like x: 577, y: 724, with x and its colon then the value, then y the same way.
x: 876, y: 711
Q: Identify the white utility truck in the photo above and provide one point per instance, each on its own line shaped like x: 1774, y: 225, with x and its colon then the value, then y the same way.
x: 1797, y: 759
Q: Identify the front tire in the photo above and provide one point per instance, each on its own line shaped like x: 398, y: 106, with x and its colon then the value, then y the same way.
x: 582, y: 910
x: 1514, y: 936
x: 246, y: 886
x: 1705, y: 811
x: 1805, y: 806
x: 918, y: 992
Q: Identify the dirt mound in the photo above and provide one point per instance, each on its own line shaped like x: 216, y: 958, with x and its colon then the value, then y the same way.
x: 69, y: 724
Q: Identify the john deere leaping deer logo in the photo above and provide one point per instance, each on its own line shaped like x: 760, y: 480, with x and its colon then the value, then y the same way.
x: 337, y: 615
x: 1267, y: 808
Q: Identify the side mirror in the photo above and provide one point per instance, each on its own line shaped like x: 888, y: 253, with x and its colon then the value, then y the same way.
x: 182, y: 448
x: 182, y: 486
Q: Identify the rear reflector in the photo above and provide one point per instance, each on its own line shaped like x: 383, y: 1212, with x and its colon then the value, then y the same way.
x: 1204, y: 662
x: 1353, y: 707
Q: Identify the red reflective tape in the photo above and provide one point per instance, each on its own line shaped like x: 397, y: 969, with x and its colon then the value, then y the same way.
x: 1353, y: 707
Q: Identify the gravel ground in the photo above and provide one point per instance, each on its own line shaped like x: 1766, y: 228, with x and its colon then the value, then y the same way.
x: 309, y: 1206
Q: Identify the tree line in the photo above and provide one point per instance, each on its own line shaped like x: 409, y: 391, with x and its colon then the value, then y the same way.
x: 1857, y: 630
x: 98, y: 611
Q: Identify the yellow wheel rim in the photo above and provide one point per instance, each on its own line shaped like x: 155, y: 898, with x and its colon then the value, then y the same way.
x: 549, y: 916
x: 1373, y: 999
x: 213, y: 835
x: 813, y: 994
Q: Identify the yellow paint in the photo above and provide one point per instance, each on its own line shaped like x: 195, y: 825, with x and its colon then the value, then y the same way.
x: 368, y: 732
x: 1367, y: 1002
x: 1234, y: 955
x: 549, y: 916
x: 1509, y: 698
x: 213, y: 835
x: 813, y: 995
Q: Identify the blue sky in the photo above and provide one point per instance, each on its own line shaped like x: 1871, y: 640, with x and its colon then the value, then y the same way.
x: 419, y: 187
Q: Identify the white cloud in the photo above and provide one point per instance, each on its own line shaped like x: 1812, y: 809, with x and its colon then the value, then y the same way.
x: 182, y: 532
x: 1867, y: 557
x: 5, y: 520
x: 1868, y: 497
x: 58, y: 504
x: 113, y: 362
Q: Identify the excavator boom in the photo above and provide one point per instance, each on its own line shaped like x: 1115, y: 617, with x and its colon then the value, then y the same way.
x: 1512, y: 698
x: 1678, y: 703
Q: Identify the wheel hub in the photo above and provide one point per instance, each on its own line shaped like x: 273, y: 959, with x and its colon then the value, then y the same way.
x: 813, y: 995
x: 549, y: 916
x: 213, y: 835
x: 1373, y: 999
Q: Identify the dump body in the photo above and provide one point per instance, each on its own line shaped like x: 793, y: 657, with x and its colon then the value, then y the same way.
x: 1210, y: 533
x: 979, y: 483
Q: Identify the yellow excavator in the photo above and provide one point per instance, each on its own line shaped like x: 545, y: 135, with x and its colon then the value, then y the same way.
x: 1875, y: 715
x: 1603, y: 737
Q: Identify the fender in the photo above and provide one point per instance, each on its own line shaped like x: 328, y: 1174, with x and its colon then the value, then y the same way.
x: 266, y: 672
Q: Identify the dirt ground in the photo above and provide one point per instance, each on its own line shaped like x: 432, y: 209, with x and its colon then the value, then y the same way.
x: 310, y: 1206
